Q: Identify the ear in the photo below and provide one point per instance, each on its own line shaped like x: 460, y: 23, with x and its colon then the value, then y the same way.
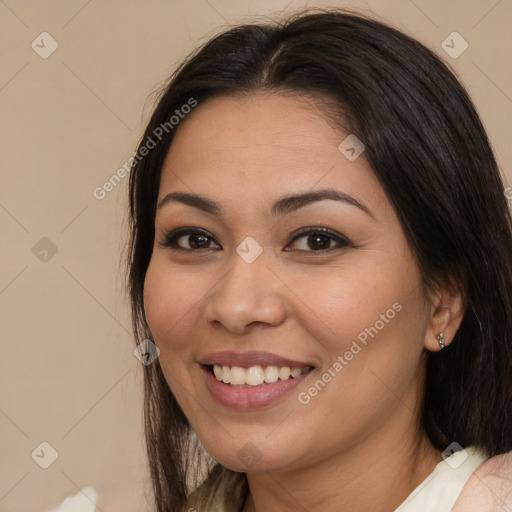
x: 446, y: 313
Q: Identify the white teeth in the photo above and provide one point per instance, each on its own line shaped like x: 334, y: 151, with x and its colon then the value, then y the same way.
x: 218, y: 372
x: 226, y: 370
x: 284, y: 373
x: 237, y: 375
x: 295, y: 372
x: 255, y: 375
x: 271, y: 374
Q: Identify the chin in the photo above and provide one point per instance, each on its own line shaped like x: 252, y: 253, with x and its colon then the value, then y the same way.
x: 245, y: 456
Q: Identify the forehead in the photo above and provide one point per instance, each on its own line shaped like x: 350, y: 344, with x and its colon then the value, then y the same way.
x: 265, y: 142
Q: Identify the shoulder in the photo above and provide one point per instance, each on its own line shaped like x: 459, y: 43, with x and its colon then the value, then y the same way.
x: 489, y: 488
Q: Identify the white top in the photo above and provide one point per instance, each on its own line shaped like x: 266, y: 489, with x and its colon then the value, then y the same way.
x: 440, y: 490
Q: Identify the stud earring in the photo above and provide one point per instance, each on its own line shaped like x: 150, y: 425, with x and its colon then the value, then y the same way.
x: 440, y: 337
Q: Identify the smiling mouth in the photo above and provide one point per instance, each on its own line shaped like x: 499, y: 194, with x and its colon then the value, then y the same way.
x: 257, y: 375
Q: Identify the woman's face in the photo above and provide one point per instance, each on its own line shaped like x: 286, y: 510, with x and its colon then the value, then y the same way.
x: 243, y: 287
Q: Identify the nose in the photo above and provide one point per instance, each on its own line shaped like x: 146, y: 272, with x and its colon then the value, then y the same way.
x: 247, y: 295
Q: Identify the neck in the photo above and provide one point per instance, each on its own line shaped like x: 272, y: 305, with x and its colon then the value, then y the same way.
x: 377, y: 473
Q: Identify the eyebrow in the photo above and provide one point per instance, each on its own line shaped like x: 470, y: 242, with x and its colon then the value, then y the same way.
x: 282, y: 206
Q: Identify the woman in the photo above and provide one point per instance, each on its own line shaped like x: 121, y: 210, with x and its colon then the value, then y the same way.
x: 321, y: 252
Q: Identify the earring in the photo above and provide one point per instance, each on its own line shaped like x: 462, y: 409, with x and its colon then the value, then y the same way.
x: 440, y: 337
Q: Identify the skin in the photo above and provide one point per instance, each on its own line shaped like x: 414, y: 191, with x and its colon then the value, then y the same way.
x: 357, y: 445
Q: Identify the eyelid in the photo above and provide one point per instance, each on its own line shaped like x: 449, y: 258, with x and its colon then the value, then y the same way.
x: 169, y: 238
x: 322, y: 230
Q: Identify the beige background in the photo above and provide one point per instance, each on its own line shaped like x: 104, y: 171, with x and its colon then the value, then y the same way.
x: 68, y: 122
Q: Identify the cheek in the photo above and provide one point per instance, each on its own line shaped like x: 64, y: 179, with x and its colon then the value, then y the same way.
x: 169, y: 305
x: 370, y: 329
x: 370, y: 315
x: 340, y: 305
x: 168, y: 301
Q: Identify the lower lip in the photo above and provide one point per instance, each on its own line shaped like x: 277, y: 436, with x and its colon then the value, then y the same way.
x: 250, y: 397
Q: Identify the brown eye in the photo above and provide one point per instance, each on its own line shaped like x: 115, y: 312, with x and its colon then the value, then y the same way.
x: 319, y: 239
x: 189, y: 239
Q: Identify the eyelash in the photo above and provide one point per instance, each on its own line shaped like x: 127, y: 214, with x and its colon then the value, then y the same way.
x: 170, y: 239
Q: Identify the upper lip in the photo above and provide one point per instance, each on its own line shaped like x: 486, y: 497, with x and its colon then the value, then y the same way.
x: 250, y: 358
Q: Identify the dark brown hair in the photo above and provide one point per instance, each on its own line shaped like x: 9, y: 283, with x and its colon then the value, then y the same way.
x: 428, y: 148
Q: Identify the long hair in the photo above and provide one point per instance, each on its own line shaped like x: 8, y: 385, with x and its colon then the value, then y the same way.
x: 427, y: 147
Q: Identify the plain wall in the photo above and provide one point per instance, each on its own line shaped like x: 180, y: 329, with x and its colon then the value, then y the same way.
x: 68, y: 123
